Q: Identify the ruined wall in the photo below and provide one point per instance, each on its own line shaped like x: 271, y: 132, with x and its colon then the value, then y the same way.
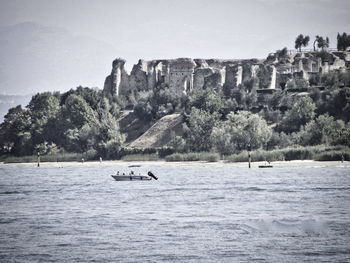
x: 273, y: 78
x: 118, y: 80
x: 139, y: 77
x: 232, y: 75
x: 184, y: 74
x: 181, y: 75
x: 199, y: 77
x: 214, y: 81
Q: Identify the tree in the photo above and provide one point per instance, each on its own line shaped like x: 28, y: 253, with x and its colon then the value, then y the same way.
x: 282, y: 55
x: 143, y: 109
x: 238, y: 95
x: 344, y: 138
x: 80, y: 140
x: 91, y: 96
x: 343, y: 41
x: 239, y: 130
x: 77, y: 111
x: 316, y: 38
x: 156, y: 103
x: 323, y: 130
x: 46, y: 148
x: 321, y: 42
x: 177, y: 142
x: 107, y: 136
x: 207, y: 100
x: 336, y: 102
x: 301, y: 113
x: 14, y: 132
x: 221, y: 139
x: 201, y: 124
x: 301, y: 41
x: 305, y: 41
x: 297, y: 84
x: 43, y: 108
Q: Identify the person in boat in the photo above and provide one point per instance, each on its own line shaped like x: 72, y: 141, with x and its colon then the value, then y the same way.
x: 132, y: 173
x: 118, y: 173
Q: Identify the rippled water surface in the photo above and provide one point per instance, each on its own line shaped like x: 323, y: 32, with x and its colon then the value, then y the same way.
x: 193, y: 213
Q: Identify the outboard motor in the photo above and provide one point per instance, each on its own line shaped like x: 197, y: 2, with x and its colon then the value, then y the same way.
x: 152, y: 175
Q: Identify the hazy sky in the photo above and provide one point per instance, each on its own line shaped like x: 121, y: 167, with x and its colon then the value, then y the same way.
x: 152, y: 29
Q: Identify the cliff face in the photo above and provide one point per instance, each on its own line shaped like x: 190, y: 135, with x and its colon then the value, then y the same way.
x: 185, y: 74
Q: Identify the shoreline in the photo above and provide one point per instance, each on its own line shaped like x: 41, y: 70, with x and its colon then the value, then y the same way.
x: 276, y: 164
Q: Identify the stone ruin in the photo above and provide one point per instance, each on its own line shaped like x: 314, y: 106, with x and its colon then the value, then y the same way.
x: 185, y: 74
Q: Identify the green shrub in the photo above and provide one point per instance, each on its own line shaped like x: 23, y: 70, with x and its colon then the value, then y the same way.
x: 300, y: 153
x: 257, y: 156
x: 318, y: 152
x: 141, y: 157
x: 22, y: 159
x: 175, y: 157
x: 333, y: 156
x: 66, y: 157
x: 165, y: 151
x: 241, y: 157
x: 193, y: 156
x: 211, y: 157
x: 135, y: 151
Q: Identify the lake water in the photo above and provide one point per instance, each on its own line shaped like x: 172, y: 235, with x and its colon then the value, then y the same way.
x: 194, y: 213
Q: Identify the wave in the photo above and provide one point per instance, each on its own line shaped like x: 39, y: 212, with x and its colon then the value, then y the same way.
x: 291, y: 226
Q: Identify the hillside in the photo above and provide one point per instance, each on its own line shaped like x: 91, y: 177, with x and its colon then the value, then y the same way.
x: 159, y: 134
x: 132, y: 126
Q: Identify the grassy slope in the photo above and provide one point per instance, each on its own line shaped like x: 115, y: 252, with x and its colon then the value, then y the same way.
x: 159, y: 134
x: 132, y: 126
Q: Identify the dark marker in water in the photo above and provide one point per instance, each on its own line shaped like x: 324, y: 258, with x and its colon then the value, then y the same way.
x: 152, y: 175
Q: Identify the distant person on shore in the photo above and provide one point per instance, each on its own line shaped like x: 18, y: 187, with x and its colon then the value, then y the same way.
x: 342, y: 158
x: 82, y: 160
x: 100, y: 159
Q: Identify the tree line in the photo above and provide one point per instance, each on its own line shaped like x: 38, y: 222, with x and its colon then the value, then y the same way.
x: 81, y: 120
x: 343, y: 42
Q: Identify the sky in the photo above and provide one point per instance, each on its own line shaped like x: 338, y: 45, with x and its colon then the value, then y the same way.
x: 161, y: 29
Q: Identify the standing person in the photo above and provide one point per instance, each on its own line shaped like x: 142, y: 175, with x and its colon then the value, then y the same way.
x: 100, y: 159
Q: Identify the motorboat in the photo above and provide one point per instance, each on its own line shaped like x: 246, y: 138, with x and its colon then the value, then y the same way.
x: 134, y: 177
x: 134, y: 165
x: 265, y: 166
x: 131, y: 177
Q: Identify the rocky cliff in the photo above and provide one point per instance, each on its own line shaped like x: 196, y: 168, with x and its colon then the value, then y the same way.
x: 185, y: 74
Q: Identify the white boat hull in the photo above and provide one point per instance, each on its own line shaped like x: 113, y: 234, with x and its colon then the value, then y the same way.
x: 131, y: 177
